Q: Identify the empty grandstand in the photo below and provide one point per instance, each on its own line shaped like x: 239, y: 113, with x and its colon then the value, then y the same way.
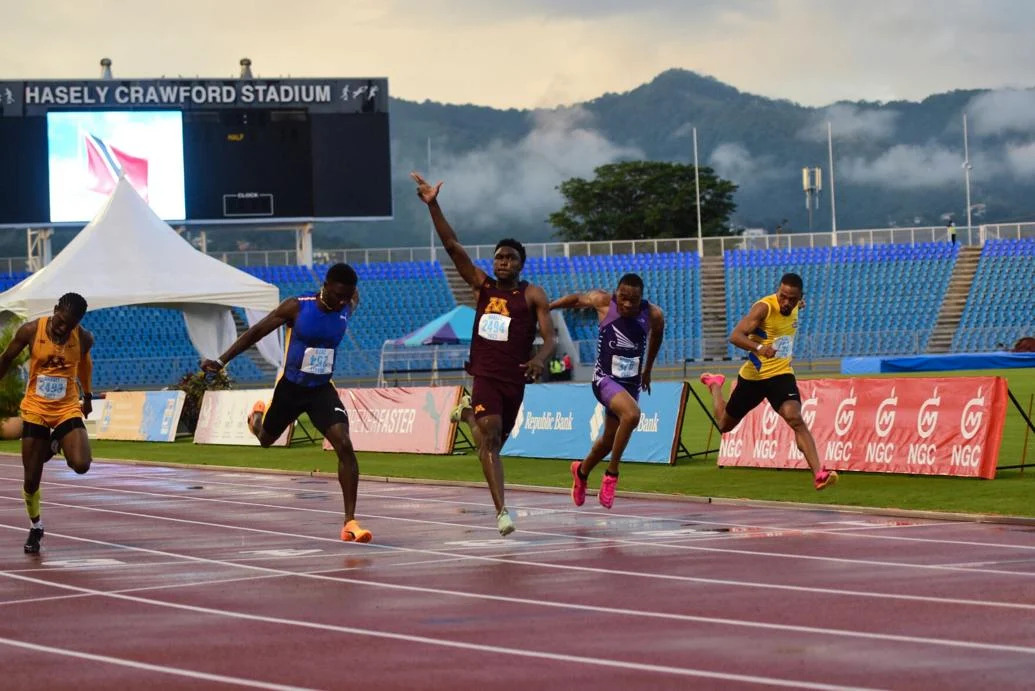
x: 1000, y: 308
x: 395, y: 299
x: 860, y: 299
x: 148, y: 347
x: 671, y: 280
x: 873, y: 299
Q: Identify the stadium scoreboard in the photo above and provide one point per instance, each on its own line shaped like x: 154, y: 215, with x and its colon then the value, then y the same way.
x: 199, y: 150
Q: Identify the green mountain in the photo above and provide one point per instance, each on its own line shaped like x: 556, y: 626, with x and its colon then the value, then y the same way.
x: 896, y: 163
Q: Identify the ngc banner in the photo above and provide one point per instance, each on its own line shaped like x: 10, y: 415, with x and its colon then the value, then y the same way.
x: 405, y: 420
x: 927, y: 426
x: 224, y: 418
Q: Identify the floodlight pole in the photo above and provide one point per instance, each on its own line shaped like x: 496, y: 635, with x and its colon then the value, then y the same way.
x: 697, y: 193
x: 812, y: 184
x: 833, y: 205
x: 431, y: 231
x: 966, y: 171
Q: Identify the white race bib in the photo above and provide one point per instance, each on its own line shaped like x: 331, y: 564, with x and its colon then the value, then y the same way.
x: 51, y: 388
x: 318, y: 361
x: 784, y: 346
x: 625, y: 367
x: 494, y: 327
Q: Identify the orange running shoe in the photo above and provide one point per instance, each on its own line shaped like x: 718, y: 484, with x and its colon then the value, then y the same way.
x: 260, y: 408
x: 353, y: 532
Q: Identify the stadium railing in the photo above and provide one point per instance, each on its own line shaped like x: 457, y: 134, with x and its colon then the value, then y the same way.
x: 711, y: 246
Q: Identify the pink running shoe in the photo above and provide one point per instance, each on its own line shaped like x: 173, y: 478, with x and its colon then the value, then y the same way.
x: 708, y: 379
x: 578, y: 485
x: 825, y: 478
x: 607, y: 490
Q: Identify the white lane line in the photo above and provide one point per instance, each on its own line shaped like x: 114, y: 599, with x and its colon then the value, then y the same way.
x: 285, y: 574
x: 585, y: 569
x: 461, y: 645
x: 165, y: 587
x: 595, y: 609
x: 164, y: 669
x: 854, y: 531
x: 595, y: 512
x: 673, y: 545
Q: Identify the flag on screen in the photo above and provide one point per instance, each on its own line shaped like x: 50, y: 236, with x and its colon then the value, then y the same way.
x: 105, y: 163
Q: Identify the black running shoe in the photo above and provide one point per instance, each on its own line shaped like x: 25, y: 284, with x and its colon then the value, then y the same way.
x: 32, y: 544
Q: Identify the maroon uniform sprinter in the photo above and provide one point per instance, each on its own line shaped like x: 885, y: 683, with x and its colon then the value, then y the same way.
x: 501, y: 360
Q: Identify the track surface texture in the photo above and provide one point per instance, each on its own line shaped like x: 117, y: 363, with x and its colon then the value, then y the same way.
x: 184, y: 578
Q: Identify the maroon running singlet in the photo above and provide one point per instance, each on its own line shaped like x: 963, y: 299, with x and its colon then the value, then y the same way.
x: 501, y: 341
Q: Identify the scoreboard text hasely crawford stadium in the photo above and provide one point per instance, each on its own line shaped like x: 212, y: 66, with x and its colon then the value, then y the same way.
x: 177, y: 94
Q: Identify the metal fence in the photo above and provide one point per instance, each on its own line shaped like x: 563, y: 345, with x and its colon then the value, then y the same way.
x: 710, y: 246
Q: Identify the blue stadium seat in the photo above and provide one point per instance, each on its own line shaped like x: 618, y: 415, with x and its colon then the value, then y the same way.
x: 1000, y: 307
x: 860, y: 300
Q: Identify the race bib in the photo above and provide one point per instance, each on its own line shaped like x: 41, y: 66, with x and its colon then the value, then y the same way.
x: 317, y: 361
x: 494, y: 327
x: 784, y: 346
x: 625, y: 367
x: 51, y: 388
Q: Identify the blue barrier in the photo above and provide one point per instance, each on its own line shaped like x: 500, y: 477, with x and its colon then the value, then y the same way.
x: 563, y: 421
x: 936, y: 363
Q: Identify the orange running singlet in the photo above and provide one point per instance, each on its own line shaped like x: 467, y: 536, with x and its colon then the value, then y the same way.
x: 52, y: 392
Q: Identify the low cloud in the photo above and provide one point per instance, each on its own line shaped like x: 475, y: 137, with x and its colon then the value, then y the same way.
x: 1021, y: 159
x: 850, y: 122
x: 905, y: 166
x: 734, y: 162
x: 1005, y: 111
x: 512, y: 182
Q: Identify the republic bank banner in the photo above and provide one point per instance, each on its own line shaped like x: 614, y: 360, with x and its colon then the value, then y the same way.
x: 563, y: 421
x: 927, y: 426
x: 402, y: 420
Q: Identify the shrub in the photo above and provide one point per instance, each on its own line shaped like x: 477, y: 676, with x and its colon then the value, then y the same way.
x: 195, y: 384
x: 12, y: 386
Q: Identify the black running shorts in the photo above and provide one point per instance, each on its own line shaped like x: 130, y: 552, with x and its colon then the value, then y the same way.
x: 748, y: 393
x: 290, y: 400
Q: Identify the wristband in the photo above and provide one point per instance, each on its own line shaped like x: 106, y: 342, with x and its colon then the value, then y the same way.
x: 219, y: 362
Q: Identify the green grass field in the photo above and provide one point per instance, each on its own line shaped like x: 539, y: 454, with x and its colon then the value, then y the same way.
x: 1011, y: 493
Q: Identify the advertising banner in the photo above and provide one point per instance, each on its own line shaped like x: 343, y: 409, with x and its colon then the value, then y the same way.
x: 224, y: 418
x: 563, y: 421
x: 405, y: 420
x: 138, y: 415
x: 927, y: 426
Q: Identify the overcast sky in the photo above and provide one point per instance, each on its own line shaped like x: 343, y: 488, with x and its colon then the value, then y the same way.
x: 540, y: 53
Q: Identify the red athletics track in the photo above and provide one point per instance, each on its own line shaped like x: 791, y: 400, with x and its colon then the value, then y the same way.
x: 183, y: 578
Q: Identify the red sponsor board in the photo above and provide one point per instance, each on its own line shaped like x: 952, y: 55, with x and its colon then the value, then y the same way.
x: 928, y: 426
x: 413, y: 420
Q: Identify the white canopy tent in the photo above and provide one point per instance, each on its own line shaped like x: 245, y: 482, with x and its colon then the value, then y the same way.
x: 129, y: 256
